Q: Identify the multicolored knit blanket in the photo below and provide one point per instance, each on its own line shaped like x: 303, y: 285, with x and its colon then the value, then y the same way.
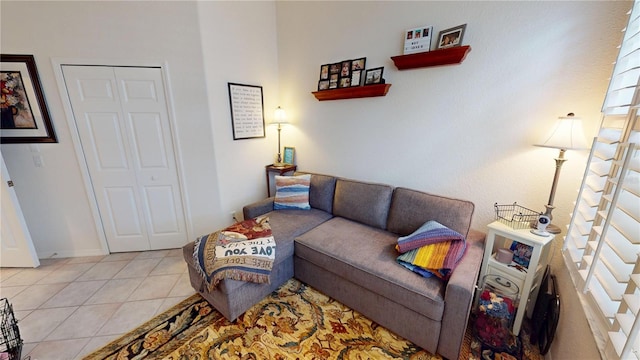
x: 432, y: 250
x: 244, y: 251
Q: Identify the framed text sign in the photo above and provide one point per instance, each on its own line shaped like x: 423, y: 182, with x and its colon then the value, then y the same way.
x: 247, y: 111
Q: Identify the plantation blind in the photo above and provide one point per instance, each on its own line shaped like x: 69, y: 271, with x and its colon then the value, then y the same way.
x: 602, y: 246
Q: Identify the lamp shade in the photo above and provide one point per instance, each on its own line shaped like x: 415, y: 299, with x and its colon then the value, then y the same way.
x: 567, y: 134
x: 279, y: 116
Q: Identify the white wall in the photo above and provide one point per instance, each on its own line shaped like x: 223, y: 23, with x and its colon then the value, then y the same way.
x: 465, y: 130
x: 239, y: 45
x: 205, y: 45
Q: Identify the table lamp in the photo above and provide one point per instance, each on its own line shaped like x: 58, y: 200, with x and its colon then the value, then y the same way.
x: 566, y: 135
x: 280, y: 118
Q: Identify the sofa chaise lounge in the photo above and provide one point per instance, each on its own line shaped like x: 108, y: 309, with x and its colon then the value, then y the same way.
x: 344, y: 246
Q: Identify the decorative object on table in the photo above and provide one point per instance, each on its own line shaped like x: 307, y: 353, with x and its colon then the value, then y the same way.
x: 451, y: 37
x: 541, y: 227
x: 417, y: 40
x: 515, y: 216
x: 279, y: 118
x: 374, y: 76
x: 567, y: 134
x: 289, y: 153
x: 24, y: 113
x: 247, y: 111
x: 504, y: 256
x: 495, y: 312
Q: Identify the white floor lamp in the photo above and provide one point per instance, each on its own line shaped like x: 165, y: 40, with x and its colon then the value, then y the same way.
x: 566, y: 135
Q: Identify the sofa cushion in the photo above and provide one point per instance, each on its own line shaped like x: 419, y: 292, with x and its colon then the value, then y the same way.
x: 321, y: 192
x: 363, y: 202
x: 410, y: 209
x: 366, y: 256
x: 292, y: 192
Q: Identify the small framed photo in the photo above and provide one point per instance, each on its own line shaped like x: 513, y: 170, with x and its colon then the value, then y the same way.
x: 345, y: 69
x: 373, y: 76
x: 344, y: 82
x: 324, y: 72
x: 288, y: 156
x: 358, y: 64
x: 323, y: 84
x: 451, y: 37
x: 333, y: 81
x: 334, y: 68
x: 521, y: 253
x: 356, y: 75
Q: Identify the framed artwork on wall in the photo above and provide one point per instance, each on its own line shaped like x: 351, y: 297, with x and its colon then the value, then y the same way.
x: 247, y: 111
x: 25, y: 117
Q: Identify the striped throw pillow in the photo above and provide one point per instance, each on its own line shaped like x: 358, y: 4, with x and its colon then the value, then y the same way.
x: 292, y: 192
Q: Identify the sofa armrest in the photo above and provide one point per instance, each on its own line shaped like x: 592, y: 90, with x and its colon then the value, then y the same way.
x: 459, y: 295
x: 258, y: 208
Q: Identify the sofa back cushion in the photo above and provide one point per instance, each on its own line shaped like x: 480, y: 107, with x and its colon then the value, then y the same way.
x: 410, y: 209
x: 363, y: 202
x: 321, y: 191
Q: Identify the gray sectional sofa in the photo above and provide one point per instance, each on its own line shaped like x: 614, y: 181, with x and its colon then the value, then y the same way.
x: 345, y: 247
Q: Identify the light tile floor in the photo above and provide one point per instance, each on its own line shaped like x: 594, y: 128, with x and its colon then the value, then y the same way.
x: 66, y: 308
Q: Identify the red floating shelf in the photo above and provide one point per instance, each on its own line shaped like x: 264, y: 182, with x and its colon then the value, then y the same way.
x: 449, y: 56
x: 352, y: 92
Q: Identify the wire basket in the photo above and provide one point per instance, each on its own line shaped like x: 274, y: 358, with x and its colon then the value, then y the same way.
x: 10, y: 341
x: 516, y: 216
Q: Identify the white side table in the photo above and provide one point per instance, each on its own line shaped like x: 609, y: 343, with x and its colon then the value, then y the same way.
x: 527, y: 279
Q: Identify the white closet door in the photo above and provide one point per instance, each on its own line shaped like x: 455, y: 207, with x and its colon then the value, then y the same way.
x: 122, y: 120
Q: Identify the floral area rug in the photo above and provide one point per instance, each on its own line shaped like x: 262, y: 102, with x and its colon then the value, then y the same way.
x: 294, y: 322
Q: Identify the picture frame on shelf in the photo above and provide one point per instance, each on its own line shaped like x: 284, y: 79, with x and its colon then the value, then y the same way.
x: 333, y: 81
x: 324, y: 72
x: 374, y: 76
x: 323, y: 85
x: 356, y: 76
x: 334, y: 68
x: 345, y: 69
x: 451, y: 37
x: 417, y: 39
x: 358, y: 64
x: 25, y: 116
x: 345, y: 82
x: 288, y: 156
